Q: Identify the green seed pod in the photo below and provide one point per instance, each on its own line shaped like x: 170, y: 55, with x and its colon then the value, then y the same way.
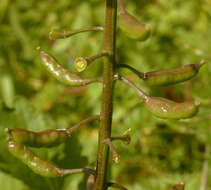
x: 47, y: 138
x: 131, y: 26
x: 162, y: 107
x: 61, y: 74
x: 38, y: 165
x: 80, y: 64
x: 172, y: 76
x: 168, y: 109
x: 7, y: 90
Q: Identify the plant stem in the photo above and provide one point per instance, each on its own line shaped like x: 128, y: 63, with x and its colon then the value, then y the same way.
x: 106, y: 107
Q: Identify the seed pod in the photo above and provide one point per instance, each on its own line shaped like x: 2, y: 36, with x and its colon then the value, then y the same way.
x: 61, y: 74
x: 172, y: 76
x: 38, y: 165
x: 47, y: 138
x: 162, y: 107
x: 131, y: 26
x: 168, y: 109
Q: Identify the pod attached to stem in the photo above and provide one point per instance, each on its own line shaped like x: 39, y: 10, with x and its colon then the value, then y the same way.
x: 39, y: 166
x: 61, y: 74
x: 167, y: 77
x: 47, y: 138
x: 131, y: 26
x: 172, y: 76
x: 164, y: 108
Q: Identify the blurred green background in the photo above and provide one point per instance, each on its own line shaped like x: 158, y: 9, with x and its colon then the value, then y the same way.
x: 162, y: 152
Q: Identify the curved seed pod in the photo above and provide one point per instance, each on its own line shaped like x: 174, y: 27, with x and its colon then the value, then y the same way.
x: 131, y: 26
x: 167, y: 77
x: 61, y: 74
x: 39, y: 166
x: 164, y: 108
x: 47, y: 138
x: 7, y: 90
x: 168, y: 109
x: 172, y: 76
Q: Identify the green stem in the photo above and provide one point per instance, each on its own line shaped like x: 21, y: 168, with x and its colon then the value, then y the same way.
x: 106, y: 107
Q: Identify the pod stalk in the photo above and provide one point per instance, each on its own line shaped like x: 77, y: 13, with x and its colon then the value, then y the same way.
x: 125, y: 137
x: 115, y: 155
x: 81, y: 63
x: 80, y: 170
x: 131, y: 84
x: 61, y: 34
x: 82, y: 122
x: 138, y: 73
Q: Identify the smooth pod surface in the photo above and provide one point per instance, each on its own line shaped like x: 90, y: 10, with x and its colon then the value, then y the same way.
x: 61, y: 74
x: 167, y: 109
x: 38, y: 165
x: 173, y: 76
x: 47, y: 138
x: 132, y: 27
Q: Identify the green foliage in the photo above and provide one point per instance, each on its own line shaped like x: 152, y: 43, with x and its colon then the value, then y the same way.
x: 163, y: 152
